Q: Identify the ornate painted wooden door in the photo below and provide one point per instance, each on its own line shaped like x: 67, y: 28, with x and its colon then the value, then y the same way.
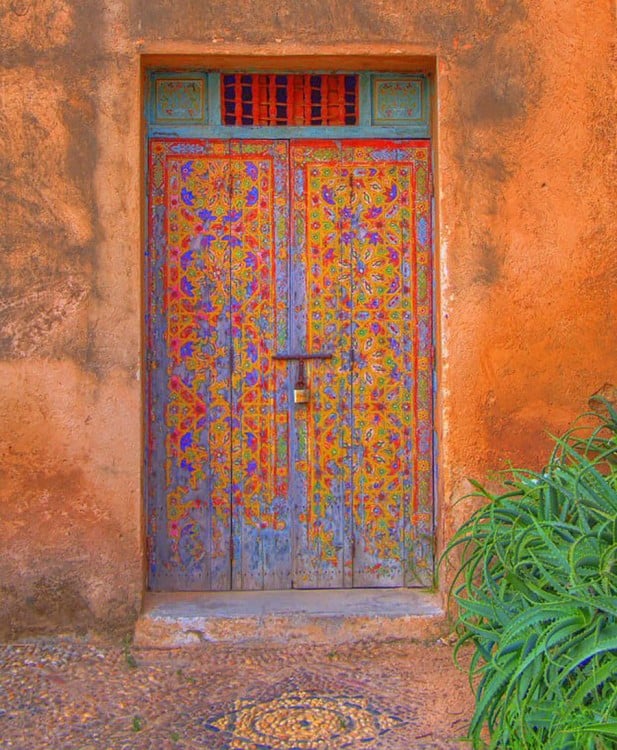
x: 360, y: 280
x: 259, y: 248
x: 217, y: 475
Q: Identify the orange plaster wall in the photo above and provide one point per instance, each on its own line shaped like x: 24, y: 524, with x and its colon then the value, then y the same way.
x: 526, y: 257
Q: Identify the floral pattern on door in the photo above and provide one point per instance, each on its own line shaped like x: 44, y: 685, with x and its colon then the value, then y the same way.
x: 257, y: 248
x: 361, y: 244
x: 217, y: 274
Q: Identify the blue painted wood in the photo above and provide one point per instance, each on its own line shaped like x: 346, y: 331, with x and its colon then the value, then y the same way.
x: 178, y: 98
x: 284, y: 133
x: 261, y: 519
x: 400, y: 100
x: 224, y: 520
x: 176, y: 563
x: 368, y: 127
x: 323, y: 536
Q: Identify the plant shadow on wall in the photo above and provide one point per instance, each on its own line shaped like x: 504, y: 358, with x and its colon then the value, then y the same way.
x: 536, y: 591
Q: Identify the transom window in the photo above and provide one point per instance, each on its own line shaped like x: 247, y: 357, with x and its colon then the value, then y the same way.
x: 290, y: 99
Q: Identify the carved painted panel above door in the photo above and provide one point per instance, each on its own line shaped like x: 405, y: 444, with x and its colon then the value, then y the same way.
x: 282, y: 105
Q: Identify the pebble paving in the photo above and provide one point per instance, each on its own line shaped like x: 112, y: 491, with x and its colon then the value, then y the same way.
x: 84, y: 695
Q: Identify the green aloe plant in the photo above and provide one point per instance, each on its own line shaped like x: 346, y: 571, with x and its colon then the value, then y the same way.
x: 536, y: 592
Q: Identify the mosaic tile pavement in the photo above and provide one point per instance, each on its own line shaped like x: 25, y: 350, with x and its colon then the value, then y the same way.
x: 302, y: 720
x: 306, y: 712
x: 84, y: 696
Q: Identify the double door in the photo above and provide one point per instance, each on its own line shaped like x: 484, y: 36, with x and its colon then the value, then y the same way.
x: 289, y: 364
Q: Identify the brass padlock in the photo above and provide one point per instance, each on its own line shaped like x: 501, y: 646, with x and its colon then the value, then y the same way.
x: 301, y: 389
x: 301, y: 395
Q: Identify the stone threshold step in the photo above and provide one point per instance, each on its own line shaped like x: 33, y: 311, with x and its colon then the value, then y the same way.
x: 307, y: 616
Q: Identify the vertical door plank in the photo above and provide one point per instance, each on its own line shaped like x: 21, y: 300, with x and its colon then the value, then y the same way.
x: 320, y: 262
x: 420, y: 527
x: 392, y: 343
x: 381, y: 302
x: 189, y: 380
x: 257, y: 238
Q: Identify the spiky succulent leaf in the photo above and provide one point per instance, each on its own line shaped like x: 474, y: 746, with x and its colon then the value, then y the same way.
x: 536, y: 591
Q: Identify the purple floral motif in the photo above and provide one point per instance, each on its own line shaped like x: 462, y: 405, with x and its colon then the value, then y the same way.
x: 423, y: 231
x: 327, y: 195
x: 391, y: 192
x: 251, y: 352
x: 187, y: 287
x: 395, y: 345
x: 252, y: 196
x: 216, y: 412
x: 207, y: 240
x: 206, y: 215
x: 232, y: 239
x: 187, y: 196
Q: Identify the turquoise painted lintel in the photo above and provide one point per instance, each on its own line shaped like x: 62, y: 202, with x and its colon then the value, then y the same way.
x: 210, y: 126
x: 365, y: 100
x: 287, y: 133
x: 398, y: 99
x: 178, y: 97
x: 214, y: 99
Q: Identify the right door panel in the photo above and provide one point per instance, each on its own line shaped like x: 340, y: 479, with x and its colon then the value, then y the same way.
x: 361, y: 448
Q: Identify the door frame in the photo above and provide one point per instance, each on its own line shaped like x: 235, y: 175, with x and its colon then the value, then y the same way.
x: 426, y: 66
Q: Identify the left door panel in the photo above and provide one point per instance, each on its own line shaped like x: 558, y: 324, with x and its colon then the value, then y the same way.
x: 217, y: 291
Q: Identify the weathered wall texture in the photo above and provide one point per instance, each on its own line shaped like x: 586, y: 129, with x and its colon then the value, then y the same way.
x: 527, y: 262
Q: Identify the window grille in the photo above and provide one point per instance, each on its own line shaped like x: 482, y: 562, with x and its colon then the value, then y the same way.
x: 290, y: 99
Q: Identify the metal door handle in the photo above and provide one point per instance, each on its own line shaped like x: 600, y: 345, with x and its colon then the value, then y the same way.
x: 302, y: 392
x: 302, y: 355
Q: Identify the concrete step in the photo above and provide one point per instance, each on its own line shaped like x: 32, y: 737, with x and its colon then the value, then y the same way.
x: 311, y: 616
